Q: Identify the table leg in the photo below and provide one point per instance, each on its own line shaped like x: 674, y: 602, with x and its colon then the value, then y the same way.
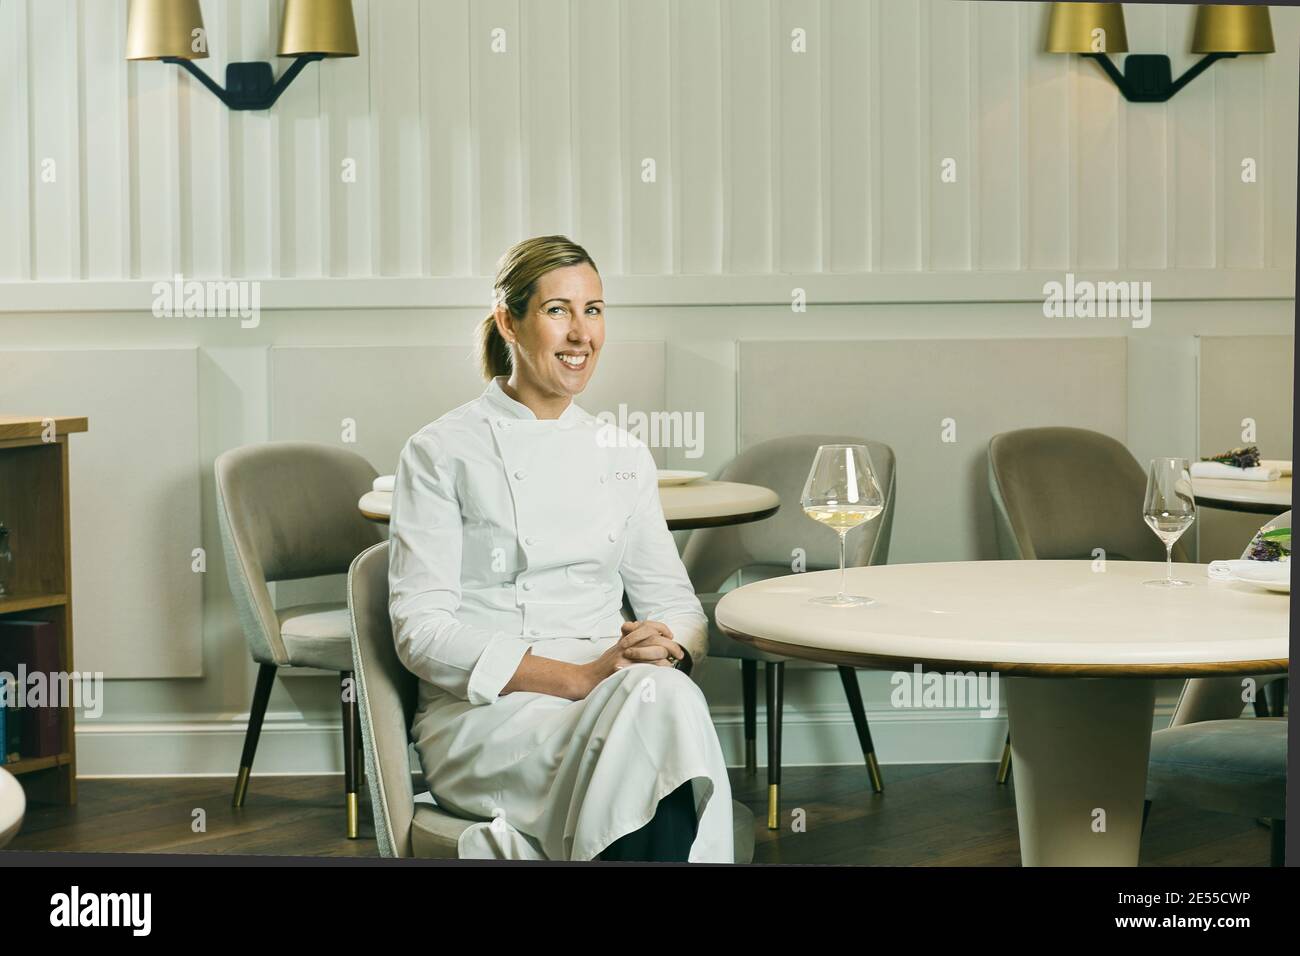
x: 1079, y: 751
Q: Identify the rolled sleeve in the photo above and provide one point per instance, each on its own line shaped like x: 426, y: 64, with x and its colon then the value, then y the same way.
x: 424, y: 573
x: 654, y: 577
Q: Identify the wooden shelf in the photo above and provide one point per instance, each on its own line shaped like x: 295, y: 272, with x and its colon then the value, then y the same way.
x: 26, y: 602
x: 27, y: 426
x: 34, y: 506
x: 31, y: 764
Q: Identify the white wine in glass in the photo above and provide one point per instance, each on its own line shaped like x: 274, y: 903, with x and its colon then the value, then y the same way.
x: 1169, y: 510
x: 842, y: 492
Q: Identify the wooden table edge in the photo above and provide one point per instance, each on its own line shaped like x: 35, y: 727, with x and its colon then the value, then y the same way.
x: 676, y: 524
x: 1007, y: 668
x: 1243, y: 507
x: 720, y: 521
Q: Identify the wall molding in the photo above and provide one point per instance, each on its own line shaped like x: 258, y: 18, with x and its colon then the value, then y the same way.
x: 631, y: 291
x: 290, y: 744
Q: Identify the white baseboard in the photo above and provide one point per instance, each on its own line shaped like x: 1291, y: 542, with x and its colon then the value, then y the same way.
x: 292, y: 745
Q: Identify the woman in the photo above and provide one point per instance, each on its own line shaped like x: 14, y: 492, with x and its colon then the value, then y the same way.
x: 518, y: 521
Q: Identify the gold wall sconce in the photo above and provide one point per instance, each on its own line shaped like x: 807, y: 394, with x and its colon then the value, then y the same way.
x: 172, y: 31
x: 1095, y: 30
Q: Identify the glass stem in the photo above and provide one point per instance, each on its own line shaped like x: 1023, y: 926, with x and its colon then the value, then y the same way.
x: 843, y: 535
x: 1169, y: 562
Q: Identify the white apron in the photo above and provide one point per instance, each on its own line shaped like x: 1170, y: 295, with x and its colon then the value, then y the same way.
x: 510, y: 533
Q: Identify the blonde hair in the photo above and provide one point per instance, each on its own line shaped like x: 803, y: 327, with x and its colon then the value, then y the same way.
x: 516, y: 280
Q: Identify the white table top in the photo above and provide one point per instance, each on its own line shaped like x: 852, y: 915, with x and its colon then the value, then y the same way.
x: 694, y: 505
x: 13, y: 804
x: 1046, y: 618
x: 1214, y: 492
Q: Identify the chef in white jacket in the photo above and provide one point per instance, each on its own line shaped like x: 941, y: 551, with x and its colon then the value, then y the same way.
x: 519, y: 520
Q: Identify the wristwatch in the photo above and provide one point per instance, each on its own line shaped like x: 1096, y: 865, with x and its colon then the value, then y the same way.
x: 683, y: 663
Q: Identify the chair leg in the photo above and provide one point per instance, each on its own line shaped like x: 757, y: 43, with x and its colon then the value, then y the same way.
x: 1277, y: 843
x: 256, y: 713
x: 749, y: 692
x: 1004, y: 765
x: 775, y: 673
x: 1261, y: 703
x: 1275, y: 692
x: 351, y: 722
x: 849, y: 677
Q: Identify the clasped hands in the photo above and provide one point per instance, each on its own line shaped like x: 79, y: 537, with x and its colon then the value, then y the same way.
x: 641, y: 642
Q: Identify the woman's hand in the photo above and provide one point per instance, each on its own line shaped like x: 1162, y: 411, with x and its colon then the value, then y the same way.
x: 642, y: 642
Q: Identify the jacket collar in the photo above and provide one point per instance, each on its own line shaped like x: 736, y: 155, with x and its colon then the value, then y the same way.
x: 496, y: 396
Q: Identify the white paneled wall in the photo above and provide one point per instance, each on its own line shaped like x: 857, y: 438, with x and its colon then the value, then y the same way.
x: 772, y: 169
x: 698, y: 137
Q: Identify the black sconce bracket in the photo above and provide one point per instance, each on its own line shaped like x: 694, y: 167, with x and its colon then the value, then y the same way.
x: 1146, y: 76
x: 249, y: 86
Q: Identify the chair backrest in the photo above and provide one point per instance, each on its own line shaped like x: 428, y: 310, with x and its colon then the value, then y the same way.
x: 288, y: 510
x: 387, y: 694
x: 1058, y: 493
x: 712, y: 555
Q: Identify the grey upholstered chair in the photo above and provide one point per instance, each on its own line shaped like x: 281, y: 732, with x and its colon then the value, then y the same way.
x: 1058, y: 493
x: 288, y: 510
x: 1219, y: 698
x: 387, y: 694
x: 1228, y: 766
x: 765, y: 549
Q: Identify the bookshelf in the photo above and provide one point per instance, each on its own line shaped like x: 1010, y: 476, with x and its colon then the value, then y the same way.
x: 34, y: 498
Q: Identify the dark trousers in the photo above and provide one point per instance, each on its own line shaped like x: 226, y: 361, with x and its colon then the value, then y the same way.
x: 667, y: 838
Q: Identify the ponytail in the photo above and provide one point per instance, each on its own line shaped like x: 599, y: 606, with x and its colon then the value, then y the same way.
x: 493, y: 353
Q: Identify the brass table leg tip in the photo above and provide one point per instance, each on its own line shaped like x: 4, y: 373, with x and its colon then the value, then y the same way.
x: 873, y: 769
x: 773, y: 802
x: 353, y: 827
x: 241, y: 787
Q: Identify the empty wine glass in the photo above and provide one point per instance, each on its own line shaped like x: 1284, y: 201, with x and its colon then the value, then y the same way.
x: 842, y: 492
x: 1170, y: 509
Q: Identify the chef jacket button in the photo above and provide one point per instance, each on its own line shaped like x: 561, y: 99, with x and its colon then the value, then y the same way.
x: 520, y: 474
x: 528, y: 585
x: 602, y: 479
x: 530, y: 540
x: 613, y: 536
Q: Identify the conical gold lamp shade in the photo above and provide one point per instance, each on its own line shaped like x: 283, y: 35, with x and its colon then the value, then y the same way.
x: 1070, y: 29
x: 1232, y: 29
x: 318, y: 26
x: 158, y: 28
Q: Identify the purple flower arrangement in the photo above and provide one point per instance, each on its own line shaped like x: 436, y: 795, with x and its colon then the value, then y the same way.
x: 1245, y: 457
x: 1274, y: 545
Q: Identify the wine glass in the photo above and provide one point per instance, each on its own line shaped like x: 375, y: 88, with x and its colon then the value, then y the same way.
x: 842, y: 492
x: 1170, y: 509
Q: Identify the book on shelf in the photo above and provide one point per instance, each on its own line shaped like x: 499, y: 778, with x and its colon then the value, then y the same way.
x: 29, y: 648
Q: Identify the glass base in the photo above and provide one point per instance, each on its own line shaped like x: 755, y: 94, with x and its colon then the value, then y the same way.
x: 843, y: 600
x: 1162, y: 583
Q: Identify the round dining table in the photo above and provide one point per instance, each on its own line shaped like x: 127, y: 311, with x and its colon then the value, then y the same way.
x: 13, y: 804
x: 1080, y: 645
x: 695, y: 504
x: 1252, y: 497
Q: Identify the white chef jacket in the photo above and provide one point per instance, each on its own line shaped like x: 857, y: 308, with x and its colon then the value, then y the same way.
x: 508, y: 533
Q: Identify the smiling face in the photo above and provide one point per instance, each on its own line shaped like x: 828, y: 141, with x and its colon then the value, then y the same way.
x: 559, y: 339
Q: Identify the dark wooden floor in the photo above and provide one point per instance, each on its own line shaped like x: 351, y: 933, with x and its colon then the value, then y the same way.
x: 952, y: 815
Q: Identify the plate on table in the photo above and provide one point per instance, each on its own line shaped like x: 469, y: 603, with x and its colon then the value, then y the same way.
x: 1271, y: 575
x: 669, y: 477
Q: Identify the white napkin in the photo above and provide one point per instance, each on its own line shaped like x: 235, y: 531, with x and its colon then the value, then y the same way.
x: 384, y: 482
x: 1283, y: 467
x: 1226, y: 570
x: 1217, y: 469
